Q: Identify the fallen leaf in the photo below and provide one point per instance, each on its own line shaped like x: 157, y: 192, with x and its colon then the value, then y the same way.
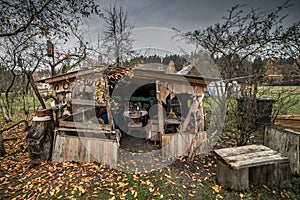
x: 217, y: 188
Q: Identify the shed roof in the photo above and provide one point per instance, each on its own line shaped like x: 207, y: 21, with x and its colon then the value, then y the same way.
x: 137, y: 73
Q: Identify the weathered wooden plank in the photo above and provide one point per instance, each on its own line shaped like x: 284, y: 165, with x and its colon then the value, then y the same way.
x: 59, y: 148
x: 115, y: 154
x: 285, y: 142
x: 251, y: 157
x: 68, y: 149
x: 88, y: 151
x: 274, y: 175
x: 96, y: 150
x: 78, y: 125
x: 174, y: 145
x: 75, y: 152
x: 226, y: 152
x: 291, y: 122
x: 106, y: 150
x: 87, y: 102
x: 81, y: 149
x: 176, y: 136
x: 259, y: 161
x: 91, y: 151
x: 101, y: 152
x: 231, y: 178
x: 165, y: 142
x: 180, y: 144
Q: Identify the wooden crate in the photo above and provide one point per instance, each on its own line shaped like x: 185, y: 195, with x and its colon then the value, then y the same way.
x: 84, y: 149
x: 238, y: 167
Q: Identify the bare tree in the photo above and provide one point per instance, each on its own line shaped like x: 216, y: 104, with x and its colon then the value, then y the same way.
x: 57, y: 21
x: 21, y: 16
x: 23, y: 40
x: 116, y: 37
x: 234, y: 45
x: 289, y: 40
x: 21, y: 56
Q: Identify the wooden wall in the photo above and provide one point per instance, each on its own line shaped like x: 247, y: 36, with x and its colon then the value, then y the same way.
x: 288, y: 122
x: 71, y: 148
x: 285, y: 142
x: 175, y: 144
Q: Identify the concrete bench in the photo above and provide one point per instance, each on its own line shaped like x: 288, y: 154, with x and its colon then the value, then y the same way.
x: 238, y: 167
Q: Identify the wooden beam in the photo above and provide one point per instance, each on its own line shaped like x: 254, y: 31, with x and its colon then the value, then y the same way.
x: 87, y: 102
x: 78, y: 125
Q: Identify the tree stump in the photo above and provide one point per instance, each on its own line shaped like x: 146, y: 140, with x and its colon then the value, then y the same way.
x: 40, y: 138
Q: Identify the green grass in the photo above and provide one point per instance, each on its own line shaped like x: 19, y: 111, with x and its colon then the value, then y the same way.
x: 287, y: 99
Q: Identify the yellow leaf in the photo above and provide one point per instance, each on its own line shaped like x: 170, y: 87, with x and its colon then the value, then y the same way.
x: 219, y: 196
x: 149, y: 183
x: 52, y: 192
x: 135, y: 194
x: 121, y: 184
x: 57, y: 189
x: 112, y: 194
x: 217, y: 188
x: 168, y: 176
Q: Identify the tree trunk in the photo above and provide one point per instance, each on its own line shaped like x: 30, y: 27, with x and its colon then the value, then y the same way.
x: 26, y: 101
x: 2, y: 150
x: 35, y: 89
x: 7, y: 99
x: 40, y: 140
x: 5, y: 116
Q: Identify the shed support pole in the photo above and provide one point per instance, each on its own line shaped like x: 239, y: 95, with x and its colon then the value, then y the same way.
x: 160, y: 109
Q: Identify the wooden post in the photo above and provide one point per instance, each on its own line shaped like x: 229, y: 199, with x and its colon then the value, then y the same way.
x: 160, y: 109
x: 200, y: 95
x: 108, y: 106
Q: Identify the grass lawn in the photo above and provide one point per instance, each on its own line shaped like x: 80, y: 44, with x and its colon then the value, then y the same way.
x: 290, y: 96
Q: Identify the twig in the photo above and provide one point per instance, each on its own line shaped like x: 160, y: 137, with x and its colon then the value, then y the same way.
x: 16, y: 124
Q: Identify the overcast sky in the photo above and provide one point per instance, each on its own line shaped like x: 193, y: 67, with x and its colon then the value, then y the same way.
x: 154, y: 18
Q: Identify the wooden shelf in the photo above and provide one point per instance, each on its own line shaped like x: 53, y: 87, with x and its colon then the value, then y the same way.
x: 85, y: 126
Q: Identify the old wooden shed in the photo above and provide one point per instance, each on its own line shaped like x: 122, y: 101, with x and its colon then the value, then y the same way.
x: 94, y: 107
